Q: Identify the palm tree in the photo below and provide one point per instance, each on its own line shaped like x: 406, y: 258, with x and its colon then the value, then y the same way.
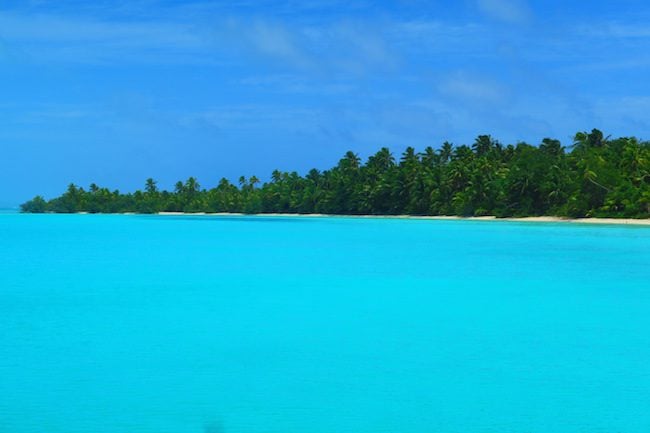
x: 179, y: 187
x: 598, y: 176
x: 150, y: 186
x: 482, y: 145
x: 551, y: 147
x: 192, y: 185
x: 446, y: 151
x: 586, y: 140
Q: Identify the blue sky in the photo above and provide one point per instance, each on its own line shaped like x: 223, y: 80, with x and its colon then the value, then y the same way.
x: 114, y: 92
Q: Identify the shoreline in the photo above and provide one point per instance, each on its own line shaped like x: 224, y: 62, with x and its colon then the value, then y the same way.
x: 541, y: 219
x: 638, y: 222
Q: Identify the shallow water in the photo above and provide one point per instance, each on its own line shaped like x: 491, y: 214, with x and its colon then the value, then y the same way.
x: 150, y: 324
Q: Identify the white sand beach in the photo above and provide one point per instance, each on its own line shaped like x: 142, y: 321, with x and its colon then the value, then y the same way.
x: 540, y: 219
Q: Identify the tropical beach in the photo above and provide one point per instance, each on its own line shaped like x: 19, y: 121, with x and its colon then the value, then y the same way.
x: 608, y: 221
x: 598, y: 176
x: 324, y: 216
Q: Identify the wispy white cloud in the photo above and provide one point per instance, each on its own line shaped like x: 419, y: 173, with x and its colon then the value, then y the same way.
x: 473, y: 89
x: 297, y: 84
x: 433, y: 34
x: 361, y: 46
x: 322, y: 56
x: 333, y: 47
x: 47, y: 113
x: 83, y: 40
x: 275, y: 41
x: 615, y: 29
x: 509, y: 11
x: 250, y: 117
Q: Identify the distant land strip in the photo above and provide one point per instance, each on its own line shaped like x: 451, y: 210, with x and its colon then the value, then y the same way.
x: 598, y: 177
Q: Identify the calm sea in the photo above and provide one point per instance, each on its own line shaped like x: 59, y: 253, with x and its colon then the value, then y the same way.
x: 151, y: 324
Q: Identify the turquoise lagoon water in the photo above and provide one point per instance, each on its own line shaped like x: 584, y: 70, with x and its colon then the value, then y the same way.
x: 150, y: 324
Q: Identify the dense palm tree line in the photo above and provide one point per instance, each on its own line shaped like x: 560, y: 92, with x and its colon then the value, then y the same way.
x: 599, y: 176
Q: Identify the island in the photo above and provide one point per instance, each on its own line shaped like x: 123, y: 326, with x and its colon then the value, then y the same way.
x: 597, y: 176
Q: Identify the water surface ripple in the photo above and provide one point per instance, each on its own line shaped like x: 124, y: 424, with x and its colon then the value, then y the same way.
x: 150, y: 324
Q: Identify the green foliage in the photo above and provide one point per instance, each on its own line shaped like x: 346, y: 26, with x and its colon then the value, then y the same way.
x: 598, y: 177
x: 35, y: 205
